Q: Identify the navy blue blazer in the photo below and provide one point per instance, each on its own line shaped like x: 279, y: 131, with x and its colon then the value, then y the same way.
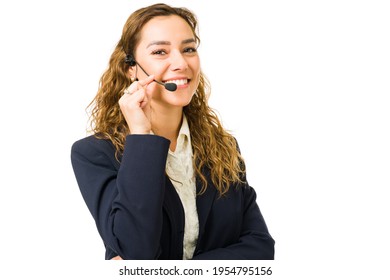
x: 139, y: 215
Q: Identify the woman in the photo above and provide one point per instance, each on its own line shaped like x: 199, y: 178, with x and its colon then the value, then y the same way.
x: 160, y: 176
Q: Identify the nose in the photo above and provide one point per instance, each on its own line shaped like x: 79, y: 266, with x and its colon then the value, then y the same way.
x: 178, y: 61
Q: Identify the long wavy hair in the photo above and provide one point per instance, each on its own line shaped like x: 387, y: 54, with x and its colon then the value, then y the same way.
x: 213, y: 147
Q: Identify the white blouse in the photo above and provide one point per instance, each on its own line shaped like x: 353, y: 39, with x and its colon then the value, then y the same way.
x: 181, y: 173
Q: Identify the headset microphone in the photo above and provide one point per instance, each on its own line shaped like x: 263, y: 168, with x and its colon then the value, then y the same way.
x: 131, y: 61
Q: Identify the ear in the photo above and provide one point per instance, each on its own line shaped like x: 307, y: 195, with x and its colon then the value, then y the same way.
x: 131, y: 71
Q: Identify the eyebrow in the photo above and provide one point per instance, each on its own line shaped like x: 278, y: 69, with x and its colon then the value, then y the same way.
x: 187, y: 41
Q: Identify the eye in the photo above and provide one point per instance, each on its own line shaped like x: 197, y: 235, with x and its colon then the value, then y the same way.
x: 190, y: 50
x: 159, y: 52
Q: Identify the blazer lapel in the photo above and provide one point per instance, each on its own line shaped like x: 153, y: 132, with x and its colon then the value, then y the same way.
x: 172, y: 204
x: 204, y: 203
x: 175, y: 212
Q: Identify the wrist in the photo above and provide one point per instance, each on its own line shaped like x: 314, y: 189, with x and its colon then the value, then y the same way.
x: 139, y: 131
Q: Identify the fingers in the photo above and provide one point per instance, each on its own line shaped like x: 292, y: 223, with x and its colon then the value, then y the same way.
x: 139, y: 85
x: 146, y: 81
x: 135, y: 106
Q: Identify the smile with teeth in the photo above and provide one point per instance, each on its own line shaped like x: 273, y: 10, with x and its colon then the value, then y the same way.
x: 178, y: 82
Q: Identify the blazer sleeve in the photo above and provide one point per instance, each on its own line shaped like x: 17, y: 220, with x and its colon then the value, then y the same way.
x: 254, y: 243
x: 126, y: 203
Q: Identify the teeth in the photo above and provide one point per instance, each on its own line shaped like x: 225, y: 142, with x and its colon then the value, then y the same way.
x: 178, y: 82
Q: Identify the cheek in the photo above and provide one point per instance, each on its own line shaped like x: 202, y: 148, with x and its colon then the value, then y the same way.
x: 196, y: 71
x: 196, y: 65
x: 153, y: 90
x: 195, y: 83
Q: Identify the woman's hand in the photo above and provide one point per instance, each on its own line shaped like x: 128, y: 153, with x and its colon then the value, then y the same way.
x: 135, y: 106
x: 117, y: 258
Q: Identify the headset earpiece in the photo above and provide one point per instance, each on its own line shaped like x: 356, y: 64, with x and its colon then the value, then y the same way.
x: 129, y: 59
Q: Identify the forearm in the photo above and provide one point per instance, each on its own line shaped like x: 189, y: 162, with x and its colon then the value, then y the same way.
x: 127, y: 204
x: 251, y: 247
x: 138, y: 206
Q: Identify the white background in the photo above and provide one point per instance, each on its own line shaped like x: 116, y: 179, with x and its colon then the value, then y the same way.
x: 303, y: 85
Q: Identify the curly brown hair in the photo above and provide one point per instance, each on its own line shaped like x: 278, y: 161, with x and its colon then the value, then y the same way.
x: 213, y: 147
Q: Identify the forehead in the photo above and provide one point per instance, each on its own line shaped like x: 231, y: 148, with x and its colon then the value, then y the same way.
x: 166, y: 28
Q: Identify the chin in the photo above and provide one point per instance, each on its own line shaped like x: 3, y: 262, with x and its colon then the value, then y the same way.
x: 180, y: 103
x: 180, y: 100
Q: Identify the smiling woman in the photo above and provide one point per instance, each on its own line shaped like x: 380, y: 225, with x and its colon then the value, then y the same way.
x: 160, y: 175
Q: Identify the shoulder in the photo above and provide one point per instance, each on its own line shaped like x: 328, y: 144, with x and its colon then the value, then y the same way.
x: 92, y: 143
x: 93, y: 149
